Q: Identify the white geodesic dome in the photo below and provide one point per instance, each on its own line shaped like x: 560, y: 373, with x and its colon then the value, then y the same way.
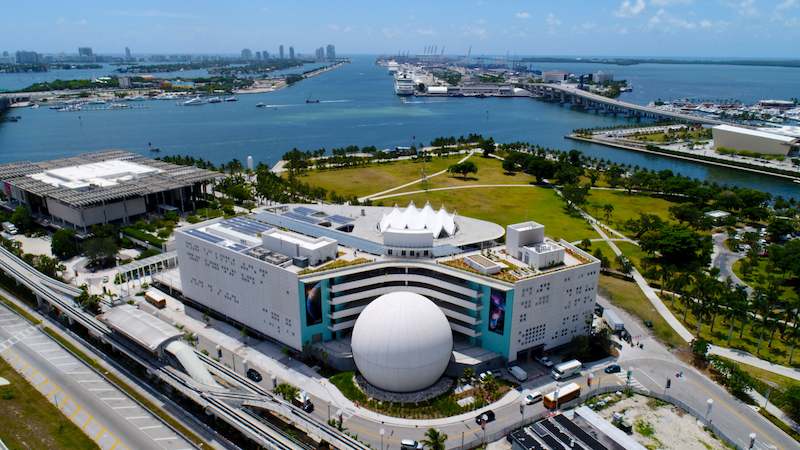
x: 402, y: 342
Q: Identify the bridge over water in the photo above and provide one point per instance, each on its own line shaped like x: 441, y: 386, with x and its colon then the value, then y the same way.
x: 578, y: 98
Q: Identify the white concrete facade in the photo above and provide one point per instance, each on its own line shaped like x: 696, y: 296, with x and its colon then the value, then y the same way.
x: 737, y: 138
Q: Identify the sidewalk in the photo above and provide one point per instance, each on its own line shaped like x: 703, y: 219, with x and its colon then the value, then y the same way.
x: 748, y: 358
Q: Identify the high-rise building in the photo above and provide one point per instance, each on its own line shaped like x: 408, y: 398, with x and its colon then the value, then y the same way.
x: 331, y: 52
x: 247, y: 54
x: 84, y: 51
x: 291, y: 52
x: 27, y: 57
x: 265, y: 55
x: 5, y: 53
x: 280, y: 50
x: 127, y: 54
x: 258, y: 56
x: 320, y: 53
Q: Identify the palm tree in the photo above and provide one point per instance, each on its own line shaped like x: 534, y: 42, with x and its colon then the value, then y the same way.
x: 763, y: 306
x: 666, y: 272
x: 608, y: 208
x: 435, y: 439
x: 792, y: 307
x: 679, y: 284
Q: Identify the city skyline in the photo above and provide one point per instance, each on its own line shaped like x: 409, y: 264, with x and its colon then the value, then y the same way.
x: 635, y: 28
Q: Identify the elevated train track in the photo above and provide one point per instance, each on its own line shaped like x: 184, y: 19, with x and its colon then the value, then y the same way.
x: 225, y: 405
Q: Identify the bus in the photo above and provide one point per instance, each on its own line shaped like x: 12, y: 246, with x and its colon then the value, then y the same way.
x: 565, y: 394
x: 156, y: 297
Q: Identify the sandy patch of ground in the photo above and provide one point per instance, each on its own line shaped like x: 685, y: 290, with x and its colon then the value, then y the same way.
x: 655, y: 423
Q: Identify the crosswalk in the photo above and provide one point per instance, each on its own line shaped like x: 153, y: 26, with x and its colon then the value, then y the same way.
x: 634, y: 383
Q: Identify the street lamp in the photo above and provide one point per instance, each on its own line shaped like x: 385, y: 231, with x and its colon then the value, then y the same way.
x: 382, y: 432
x: 591, y: 377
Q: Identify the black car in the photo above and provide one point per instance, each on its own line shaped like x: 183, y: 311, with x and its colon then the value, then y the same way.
x: 613, y: 369
x: 254, y: 375
x: 486, y: 417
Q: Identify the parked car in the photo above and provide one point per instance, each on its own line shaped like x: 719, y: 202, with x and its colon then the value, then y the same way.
x: 254, y: 375
x: 533, y: 397
x: 105, y: 279
x: 545, y: 361
x: 494, y: 373
x: 613, y: 369
x: 410, y: 444
x: 486, y: 417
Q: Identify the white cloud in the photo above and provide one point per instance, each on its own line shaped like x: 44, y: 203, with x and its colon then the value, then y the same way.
x: 81, y: 22
x: 706, y: 24
x: 349, y: 29
x: 588, y: 26
x: 480, y: 21
x: 787, y: 4
x: 154, y: 13
x: 661, y: 3
x: 390, y: 33
x: 629, y: 10
x: 333, y: 26
x: 474, y: 31
x: 665, y: 22
x: 623, y: 31
x: 523, y: 15
x: 716, y: 26
x: 427, y: 32
x: 552, y: 20
x: 62, y: 21
x: 745, y: 8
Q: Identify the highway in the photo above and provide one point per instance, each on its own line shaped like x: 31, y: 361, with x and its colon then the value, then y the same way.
x: 560, y: 92
x: 101, y: 409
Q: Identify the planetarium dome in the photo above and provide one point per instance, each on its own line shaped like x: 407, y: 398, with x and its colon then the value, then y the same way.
x: 402, y: 342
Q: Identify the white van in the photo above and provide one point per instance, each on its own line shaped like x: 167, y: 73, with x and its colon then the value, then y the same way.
x: 518, y: 373
x: 567, y: 369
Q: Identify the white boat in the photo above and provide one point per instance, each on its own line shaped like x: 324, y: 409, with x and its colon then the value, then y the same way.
x: 392, y: 67
x: 96, y: 101
x: 193, y: 102
x: 138, y: 98
x: 214, y: 100
x: 403, y: 84
x: 231, y: 99
x: 34, y: 106
x: 70, y: 108
x: 118, y: 106
x: 260, y: 105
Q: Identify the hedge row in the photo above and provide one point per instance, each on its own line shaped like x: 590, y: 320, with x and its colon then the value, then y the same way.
x: 142, y: 236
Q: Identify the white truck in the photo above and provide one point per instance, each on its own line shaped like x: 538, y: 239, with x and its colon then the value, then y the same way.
x: 10, y: 228
x: 612, y: 319
x: 518, y: 373
x: 567, y: 369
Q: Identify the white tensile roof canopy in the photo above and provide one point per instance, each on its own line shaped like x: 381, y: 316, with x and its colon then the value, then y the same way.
x: 441, y: 223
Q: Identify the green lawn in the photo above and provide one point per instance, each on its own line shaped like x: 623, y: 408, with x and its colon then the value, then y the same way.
x: 626, y: 206
x: 628, y: 296
x: 30, y: 421
x: 377, y: 177
x: 504, y: 206
x: 635, y: 254
x: 605, y: 249
x: 681, y: 137
x: 777, y: 354
x: 490, y: 171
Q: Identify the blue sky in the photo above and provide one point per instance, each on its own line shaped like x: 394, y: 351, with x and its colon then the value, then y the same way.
x: 659, y: 28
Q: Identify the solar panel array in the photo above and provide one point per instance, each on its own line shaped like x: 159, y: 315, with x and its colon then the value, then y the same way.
x: 301, y: 217
x: 205, y: 236
x: 237, y: 247
x: 246, y: 226
x: 340, y: 219
x: 446, y: 249
x: 304, y: 211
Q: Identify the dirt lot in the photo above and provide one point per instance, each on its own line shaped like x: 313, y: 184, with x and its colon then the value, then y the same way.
x: 654, y: 425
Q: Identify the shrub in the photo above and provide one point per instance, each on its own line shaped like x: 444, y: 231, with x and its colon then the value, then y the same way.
x: 193, y: 219
x: 165, y: 233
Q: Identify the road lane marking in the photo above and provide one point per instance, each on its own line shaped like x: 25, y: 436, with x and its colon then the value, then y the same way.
x: 100, y: 434
x: 737, y: 414
x: 124, y: 407
x: 165, y: 438
x: 151, y: 427
x: 76, y: 412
